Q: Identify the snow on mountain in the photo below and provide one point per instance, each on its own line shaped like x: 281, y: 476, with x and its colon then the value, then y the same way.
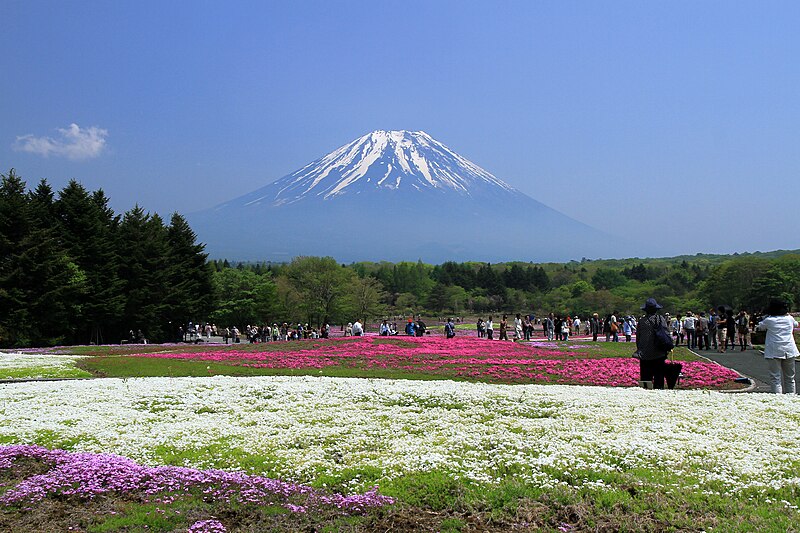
x: 381, y: 160
x: 394, y: 195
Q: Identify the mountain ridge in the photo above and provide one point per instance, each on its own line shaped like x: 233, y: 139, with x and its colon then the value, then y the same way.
x: 393, y: 195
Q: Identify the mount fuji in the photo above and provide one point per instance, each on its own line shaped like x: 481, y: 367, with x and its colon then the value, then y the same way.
x: 394, y: 196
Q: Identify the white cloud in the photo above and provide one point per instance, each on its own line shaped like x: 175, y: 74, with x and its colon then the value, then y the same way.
x: 72, y: 142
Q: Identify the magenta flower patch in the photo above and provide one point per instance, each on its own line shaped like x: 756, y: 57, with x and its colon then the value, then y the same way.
x: 463, y: 357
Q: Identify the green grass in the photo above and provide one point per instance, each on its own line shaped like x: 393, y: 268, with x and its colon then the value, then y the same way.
x: 43, y: 373
x: 122, y: 367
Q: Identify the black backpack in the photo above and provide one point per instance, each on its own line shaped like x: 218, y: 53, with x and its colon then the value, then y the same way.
x: 661, y: 338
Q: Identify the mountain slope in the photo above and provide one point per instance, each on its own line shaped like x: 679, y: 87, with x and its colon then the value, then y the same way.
x: 393, y: 195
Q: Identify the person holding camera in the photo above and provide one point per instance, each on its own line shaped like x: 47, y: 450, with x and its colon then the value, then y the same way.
x: 780, y: 349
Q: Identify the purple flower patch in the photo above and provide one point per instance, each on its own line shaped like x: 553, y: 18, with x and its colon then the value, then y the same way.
x: 88, y: 475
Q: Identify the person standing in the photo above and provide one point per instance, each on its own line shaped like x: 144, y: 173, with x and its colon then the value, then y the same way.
x: 358, y: 329
x: 420, y: 327
x: 627, y: 328
x: 527, y: 327
x: 652, y: 360
x: 517, y: 327
x: 712, y: 329
x: 481, y: 328
x: 677, y: 329
x: 549, y: 326
x: 504, y: 328
x: 689, y: 329
x: 614, y: 327
x: 743, y: 329
x: 595, y: 325
x: 780, y: 349
x: 722, y: 329
x: 489, y: 328
x: 565, y: 329
x: 730, y: 322
x: 701, y: 331
x: 450, y: 329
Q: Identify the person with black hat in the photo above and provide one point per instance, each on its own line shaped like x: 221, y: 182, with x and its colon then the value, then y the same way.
x: 652, y: 359
x: 780, y: 349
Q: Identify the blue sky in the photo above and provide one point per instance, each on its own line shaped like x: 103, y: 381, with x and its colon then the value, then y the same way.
x: 628, y: 115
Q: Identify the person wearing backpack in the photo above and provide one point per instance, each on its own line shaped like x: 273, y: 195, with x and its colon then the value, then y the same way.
x: 651, y: 344
x: 450, y: 329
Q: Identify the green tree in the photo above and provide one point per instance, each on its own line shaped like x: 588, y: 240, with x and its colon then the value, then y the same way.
x: 143, y: 244
x: 244, y: 298
x: 89, y: 229
x: 190, y: 290
x: 367, y: 298
x: 606, y: 278
x: 322, y: 284
x: 39, y: 283
x: 730, y: 282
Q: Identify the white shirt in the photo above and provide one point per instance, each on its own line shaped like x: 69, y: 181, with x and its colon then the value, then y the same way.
x: 357, y: 328
x: 780, y: 339
x: 489, y: 325
x: 688, y: 322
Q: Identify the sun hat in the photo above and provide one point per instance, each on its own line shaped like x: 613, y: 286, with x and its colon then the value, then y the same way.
x: 651, y: 304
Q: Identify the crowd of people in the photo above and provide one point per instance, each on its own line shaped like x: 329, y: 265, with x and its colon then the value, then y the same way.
x: 716, y: 329
x: 559, y: 327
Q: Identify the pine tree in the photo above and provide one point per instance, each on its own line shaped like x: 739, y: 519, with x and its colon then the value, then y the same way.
x: 39, y: 283
x: 190, y: 291
x: 89, y: 227
x: 144, y: 271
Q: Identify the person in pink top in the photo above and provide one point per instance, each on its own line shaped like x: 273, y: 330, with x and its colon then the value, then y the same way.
x: 780, y: 349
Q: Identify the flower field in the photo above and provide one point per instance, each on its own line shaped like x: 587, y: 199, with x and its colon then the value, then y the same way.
x: 581, y: 363
x: 39, y: 366
x: 505, y: 448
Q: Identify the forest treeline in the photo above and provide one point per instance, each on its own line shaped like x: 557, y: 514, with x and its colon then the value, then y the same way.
x: 292, y: 292
x: 73, y: 271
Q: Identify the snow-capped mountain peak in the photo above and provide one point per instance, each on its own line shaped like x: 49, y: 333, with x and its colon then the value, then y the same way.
x: 382, y: 161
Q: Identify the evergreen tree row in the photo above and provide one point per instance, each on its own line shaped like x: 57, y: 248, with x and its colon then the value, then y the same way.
x: 74, y: 272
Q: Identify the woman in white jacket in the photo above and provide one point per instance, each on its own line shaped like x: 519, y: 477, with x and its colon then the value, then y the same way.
x: 780, y: 350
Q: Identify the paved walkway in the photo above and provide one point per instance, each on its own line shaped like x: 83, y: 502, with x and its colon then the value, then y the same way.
x: 750, y: 363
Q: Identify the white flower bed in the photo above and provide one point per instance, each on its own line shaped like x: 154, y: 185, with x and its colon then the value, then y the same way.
x: 16, y: 365
x: 313, y: 426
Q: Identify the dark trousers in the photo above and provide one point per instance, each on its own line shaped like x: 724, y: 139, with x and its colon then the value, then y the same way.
x: 653, y: 370
x: 690, y: 340
x: 702, y: 340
